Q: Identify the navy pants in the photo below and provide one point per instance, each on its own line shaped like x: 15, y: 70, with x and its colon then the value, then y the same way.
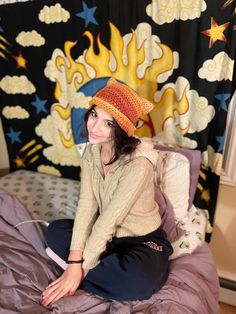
x: 131, y: 268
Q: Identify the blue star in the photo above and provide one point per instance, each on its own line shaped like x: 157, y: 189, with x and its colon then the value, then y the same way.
x: 39, y: 104
x: 220, y: 140
x: 14, y: 136
x: 87, y: 14
x: 222, y: 98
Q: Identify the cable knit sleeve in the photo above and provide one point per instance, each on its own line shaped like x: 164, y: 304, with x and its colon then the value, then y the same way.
x: 87, y: 209
x: 135, y: 176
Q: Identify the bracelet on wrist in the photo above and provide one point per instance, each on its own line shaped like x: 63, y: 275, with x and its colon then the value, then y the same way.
x: 79, y: 261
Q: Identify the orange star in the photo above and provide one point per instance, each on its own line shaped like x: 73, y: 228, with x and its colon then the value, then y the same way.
x: 19, y: 162
x: 215, y: 32
x: 21, y: 61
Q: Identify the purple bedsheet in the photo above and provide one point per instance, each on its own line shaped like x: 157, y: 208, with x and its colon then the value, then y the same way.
x: 25, y: 270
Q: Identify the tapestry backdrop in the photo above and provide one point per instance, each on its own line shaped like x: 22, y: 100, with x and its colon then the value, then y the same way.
x: 54, y: 55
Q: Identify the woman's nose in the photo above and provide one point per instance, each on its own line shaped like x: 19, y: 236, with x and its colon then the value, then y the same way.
x: 96, y: 126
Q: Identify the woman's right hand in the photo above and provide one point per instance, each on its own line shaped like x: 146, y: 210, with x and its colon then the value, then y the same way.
x: 65, y: 285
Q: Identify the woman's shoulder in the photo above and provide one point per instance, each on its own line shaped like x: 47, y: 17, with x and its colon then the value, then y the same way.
x: 145, y: 154
x: 138, y: 163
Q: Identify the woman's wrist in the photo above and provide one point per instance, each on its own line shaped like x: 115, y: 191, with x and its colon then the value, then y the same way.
x: 75, y: 261
x: 75, y: 255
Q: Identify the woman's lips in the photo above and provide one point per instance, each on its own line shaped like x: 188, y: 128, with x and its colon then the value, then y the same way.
x: 94, y: 136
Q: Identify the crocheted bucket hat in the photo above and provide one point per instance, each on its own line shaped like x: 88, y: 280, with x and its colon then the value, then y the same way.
x: 122, y: 103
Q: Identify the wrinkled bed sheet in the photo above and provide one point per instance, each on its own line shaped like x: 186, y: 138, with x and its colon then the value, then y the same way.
x: 25, y: 270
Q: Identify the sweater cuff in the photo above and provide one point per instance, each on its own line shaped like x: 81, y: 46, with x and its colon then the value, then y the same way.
x: 90, y: 260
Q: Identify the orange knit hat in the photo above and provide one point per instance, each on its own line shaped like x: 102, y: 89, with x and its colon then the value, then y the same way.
x: 122, y: 103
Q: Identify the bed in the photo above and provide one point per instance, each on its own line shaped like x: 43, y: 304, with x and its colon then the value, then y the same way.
x: 29, y: 200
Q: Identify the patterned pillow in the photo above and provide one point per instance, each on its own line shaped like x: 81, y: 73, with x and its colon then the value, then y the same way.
x: 194, y: 230
x: 47, y: 197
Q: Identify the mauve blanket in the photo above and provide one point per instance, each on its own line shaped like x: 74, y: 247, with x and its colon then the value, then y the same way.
x: 192, y: 286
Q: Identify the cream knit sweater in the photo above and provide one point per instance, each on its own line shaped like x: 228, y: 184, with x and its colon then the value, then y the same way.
x: 119, y: 204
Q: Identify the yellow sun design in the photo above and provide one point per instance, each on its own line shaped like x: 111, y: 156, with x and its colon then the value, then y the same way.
x: 112, y: 63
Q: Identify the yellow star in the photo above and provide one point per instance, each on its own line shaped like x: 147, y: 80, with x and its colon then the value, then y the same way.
x: 215, y: 32
x: 21, y: 61
x: 19, y: 162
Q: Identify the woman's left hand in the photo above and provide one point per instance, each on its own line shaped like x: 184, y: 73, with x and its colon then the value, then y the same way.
x: 66, y: 285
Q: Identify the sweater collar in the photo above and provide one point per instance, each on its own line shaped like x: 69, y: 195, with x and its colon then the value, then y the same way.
x: 96, y: 151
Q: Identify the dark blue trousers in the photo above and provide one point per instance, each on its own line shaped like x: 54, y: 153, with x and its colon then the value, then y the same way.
x: 131, y: 268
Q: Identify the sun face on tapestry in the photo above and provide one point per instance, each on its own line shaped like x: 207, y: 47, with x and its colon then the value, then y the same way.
x: 91, y: 71
x: 78, y: 80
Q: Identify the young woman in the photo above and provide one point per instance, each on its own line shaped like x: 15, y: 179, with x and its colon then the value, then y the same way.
x: 115, y: 247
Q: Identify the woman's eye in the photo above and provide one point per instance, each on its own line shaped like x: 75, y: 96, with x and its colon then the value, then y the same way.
x: 93, y: 113
x: 110, y: 124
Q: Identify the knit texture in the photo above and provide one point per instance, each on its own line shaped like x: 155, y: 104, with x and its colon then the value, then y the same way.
x: 119, y: 204
x: 123, y: 104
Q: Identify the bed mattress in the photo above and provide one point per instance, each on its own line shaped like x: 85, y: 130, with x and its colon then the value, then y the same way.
x: 192, y: 286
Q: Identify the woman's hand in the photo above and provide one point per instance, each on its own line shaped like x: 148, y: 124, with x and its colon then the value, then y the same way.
x: 66, y: 285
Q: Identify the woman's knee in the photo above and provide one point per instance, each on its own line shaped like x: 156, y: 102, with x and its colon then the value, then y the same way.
x: 58, y: 230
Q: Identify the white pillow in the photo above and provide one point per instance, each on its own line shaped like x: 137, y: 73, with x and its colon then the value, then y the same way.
x: 173, y: 177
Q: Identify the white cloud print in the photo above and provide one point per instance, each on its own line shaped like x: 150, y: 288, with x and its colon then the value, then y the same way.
x: 49, y: 129
x: 163, y: 11
x: 195, y: 119
x: 200, y: 113
x: 49, y: 170
x: 217, y: 69
x: 213, y: 160
x: 17, y: 85
x: 15, y: 112
x: 32, y: 38
x: 75, y: 99
x: 68, y: 92
x: 54, y: 14
x: 171, y: 136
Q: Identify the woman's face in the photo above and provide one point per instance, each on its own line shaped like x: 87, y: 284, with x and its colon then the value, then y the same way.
x: 100, y: 126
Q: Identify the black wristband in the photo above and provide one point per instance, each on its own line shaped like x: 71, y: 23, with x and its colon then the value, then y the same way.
x: 79, y: 261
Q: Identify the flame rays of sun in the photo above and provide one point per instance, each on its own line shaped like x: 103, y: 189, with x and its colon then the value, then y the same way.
x: 145, y: 86
x: 138, y: 60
